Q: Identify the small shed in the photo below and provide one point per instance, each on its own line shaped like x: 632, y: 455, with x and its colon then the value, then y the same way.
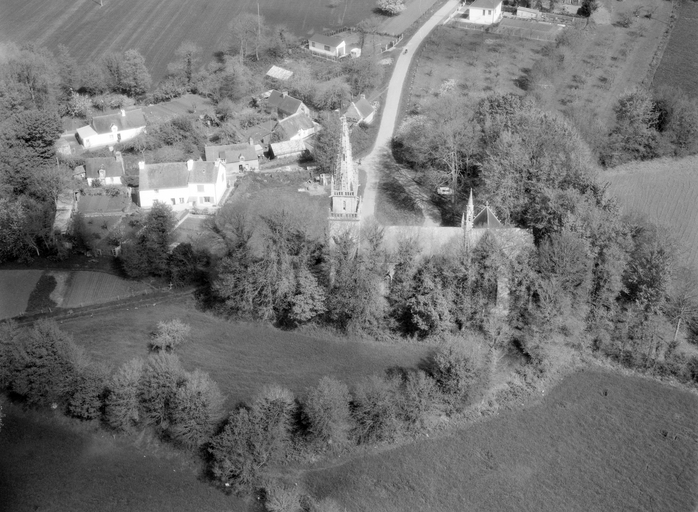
x: 526, y: 13
x: 355, y: 53
x: 279, y: 73
x: 286, y: 149
x: 327, y: 46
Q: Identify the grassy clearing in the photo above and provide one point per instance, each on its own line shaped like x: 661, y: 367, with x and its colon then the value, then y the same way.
x: 666, y: 191
x: 241, y: 358
x: 15, y: 288
x: 633, y: 448
x: 52, y: 463
x: 86, y: 288
x: 679, y: 67
x: 157, y: 27
x: 477, y: 62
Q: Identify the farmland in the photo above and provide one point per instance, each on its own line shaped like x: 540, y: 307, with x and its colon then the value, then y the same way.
x: 52, y: 463
x: 666, y: 191
x: 598, y: 441
x: 679, y: 66
x: 15, y: 288
x: 157, y: 27
x: 240, y: 357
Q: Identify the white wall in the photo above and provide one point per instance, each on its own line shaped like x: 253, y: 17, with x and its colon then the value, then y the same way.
x: 181, y: 195
x: 109, y: 139
x: 332, y: 52
x: 485, y: 16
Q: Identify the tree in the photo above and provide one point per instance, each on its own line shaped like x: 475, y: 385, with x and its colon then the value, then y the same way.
x: 363, y: 74
x: 332, y: 94
x: 327, y: 143
x: 24, y: 229
x: 135, y: 78
x: 188, y: 55
x: 148, y: 254
x: 244, y: 33
x: 29, y: 79
x: 426, y: 308
x: 162, y: 376
x: 454, y: 371
x: 67, y: 68
x: 682, y: 301
x: 391, y: 7
x: 588, y: 7
x: 170, y: 335
x: 122, y: 409
x: 194, y: 410
x: 309, y: 300
x: 92, y: 80
x: 326, y: 412
x: 374, y: 410
x: 86, y: 389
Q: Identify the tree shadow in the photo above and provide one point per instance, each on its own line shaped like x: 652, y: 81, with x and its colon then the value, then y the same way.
x: 395, y: 206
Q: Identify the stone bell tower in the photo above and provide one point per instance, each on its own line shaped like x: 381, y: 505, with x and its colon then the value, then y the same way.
x: 345, y: 202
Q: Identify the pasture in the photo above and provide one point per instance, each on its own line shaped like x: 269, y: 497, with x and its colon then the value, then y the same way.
x: 52, y: 463
x: 84, y: 288
x: 679, y: 66
x: 597, y: 442
x: 240, y: 357
x: 469, y: 63
x: 15, y: 288
x: 666, y: 191
x: 157, y: 27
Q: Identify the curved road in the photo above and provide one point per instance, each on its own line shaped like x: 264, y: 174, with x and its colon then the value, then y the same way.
x: 371, y: 163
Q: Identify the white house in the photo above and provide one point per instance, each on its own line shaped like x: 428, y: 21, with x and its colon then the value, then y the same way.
x: 485, y: 12
x: 111, y: 129
x: 360, y: 111
x: 296, y: 127
x: 106, y: 170
x: 182, y: 184
x: 327, y: 46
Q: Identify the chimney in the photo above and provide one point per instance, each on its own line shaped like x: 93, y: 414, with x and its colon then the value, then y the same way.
x: 190, y: 165
x: 284, y: 94
x: 141, y: 166
x: 123, y: 113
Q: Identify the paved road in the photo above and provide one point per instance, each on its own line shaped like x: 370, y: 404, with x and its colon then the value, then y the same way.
x: 370, y: 163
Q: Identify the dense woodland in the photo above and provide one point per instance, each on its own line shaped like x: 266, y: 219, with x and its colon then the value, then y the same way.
x: 595, y: 282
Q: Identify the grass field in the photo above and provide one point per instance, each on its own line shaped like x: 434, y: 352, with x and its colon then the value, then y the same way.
x: 94, y: 287
x: 666, y: 191
x: 157, y: 27
x: 241, y: 358
x: 679, y: 66
x: 54, y: 464
x: 579, y: 450
x: 15, y: 288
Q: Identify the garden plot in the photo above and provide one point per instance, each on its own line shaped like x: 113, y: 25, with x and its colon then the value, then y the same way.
x: 87, y: 288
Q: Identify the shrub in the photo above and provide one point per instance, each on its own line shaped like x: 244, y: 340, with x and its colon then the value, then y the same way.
x: 326, y: 412
x: 391, y: 7
x: 282, y: 498
x: 9, y: 335
x: 419, y: 396
x: 42, y: 364
x: 158, y: 385
x: 194, y: 409
x: 87, y: 389
x: 272, y: 412
x: 170, y: 335
x: 374, y: 410
x: 122, y: 401
x: 454, y: 371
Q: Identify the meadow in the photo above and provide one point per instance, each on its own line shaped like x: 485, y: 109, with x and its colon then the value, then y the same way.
x: 597, y: 442
x: 666, y: 192
x: 679, y: 66
x: 52, y: 463
x: 15, y: 288
x: 157, y: 27
x: 240, y: 357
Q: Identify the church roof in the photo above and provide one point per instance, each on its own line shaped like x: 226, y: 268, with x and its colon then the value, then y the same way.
x: 486, y: 219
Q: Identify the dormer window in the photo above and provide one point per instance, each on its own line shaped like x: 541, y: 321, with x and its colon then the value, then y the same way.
x: 114, y: 128
x: 102, y: 174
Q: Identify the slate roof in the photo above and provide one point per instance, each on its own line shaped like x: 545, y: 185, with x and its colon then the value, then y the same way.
x: 113, y: 168
x: 85, y: 132
x: 230, y: 152
x: 359, y: 110
x: 203, y: 172
x: 287, y: 147
x: 328, y: 40
x: 294, y: 124
x: 485, y: 4
x: 165, y: 175
x: 486, y: 219
x: 256, y: 133
x: 131, y: 119
x: 284, y: 104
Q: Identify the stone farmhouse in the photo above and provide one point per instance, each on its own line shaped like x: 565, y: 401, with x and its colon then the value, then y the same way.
x: 104, y: 170
x: 182, y: 185
x: 283, y: 105
x: 111, y: 129
x: 327, y: 46
x: 260, y: 135
x: 485, y: 12
x: 235, y: 157
x: 360, y: 111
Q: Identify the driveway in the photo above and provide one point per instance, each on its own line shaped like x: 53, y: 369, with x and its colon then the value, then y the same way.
x: 370, y: 163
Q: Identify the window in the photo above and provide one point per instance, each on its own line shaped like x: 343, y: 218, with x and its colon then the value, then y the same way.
x: 181, y: 200
x: 312, y: 43
x: 173, y: 201
x: 199, y: 188
x: 327, y: 48
x: 208, y: 199
x: 241, y: 168
x: 489, y: 11
x: 483, y: 12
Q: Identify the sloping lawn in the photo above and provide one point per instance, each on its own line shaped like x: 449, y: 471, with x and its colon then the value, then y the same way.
x: 598, y: 442
x: 55, y: 464
x: 15, y: 288
x: 241, y: 358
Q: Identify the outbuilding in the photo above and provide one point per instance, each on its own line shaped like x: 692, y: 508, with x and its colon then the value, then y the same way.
x: 327, y: 46
x: 485, y: 12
